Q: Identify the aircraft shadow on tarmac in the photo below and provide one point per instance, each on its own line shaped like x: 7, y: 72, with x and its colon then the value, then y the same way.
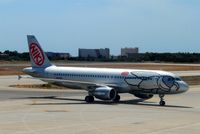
x: 81, y: 101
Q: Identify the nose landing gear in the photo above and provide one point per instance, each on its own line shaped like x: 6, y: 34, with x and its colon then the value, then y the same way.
x: 162, y: 102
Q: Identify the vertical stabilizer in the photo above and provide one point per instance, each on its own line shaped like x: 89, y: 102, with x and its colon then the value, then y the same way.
x: 37, y: 55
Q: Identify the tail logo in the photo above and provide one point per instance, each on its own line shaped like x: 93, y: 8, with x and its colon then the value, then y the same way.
x: 36, y: 54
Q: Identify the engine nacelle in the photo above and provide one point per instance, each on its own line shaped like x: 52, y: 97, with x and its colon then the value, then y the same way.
x: 143, y: 96
x: 104, y: 93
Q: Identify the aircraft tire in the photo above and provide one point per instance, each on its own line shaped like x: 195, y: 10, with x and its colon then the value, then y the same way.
x: 117, y: 98
x: 89, y: 99
x: 162, y: 103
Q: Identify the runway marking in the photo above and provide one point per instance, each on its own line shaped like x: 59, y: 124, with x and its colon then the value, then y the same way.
x: 25, y: 123
x: 32, y: 131
x: 54, y: 111
x: 84, y: 121
x: 174, y: 128
x: 28, y: 128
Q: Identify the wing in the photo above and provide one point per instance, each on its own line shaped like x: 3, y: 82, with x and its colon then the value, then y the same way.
x: 83, y: 84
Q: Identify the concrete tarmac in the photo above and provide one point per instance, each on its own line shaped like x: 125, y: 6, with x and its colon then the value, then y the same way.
x: 42, y: 111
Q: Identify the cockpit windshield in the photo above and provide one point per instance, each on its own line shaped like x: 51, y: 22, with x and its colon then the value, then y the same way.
x: 169, y: 81
x: 177, y: 79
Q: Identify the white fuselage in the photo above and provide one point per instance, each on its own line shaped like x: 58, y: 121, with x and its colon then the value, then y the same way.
x: 126, y: 80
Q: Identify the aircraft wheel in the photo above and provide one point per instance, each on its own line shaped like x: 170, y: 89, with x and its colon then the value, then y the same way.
x: 89, y: 99
x: 117, y: 98
x: 162, y: 103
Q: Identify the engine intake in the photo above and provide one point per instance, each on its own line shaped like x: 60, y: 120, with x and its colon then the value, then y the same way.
x: 104, y: 93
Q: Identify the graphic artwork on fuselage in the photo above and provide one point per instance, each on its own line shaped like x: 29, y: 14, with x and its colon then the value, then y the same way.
x: 125, y: 74
x: 151, y: 82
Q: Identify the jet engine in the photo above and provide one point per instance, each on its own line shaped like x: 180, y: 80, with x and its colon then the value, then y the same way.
x: 104, y: 93
x: 143, y: 96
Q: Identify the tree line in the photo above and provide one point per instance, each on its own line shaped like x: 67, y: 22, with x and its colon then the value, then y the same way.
x: 164, y: 57
x: 141, y: 57
x: 14, y: 56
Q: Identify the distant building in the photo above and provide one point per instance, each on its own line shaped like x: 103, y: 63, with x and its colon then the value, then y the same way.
x: 94, y: 53
x: 129, y: 51
x: 3, y: 54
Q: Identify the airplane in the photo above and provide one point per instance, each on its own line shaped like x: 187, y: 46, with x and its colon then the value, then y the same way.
x: 103, y: 83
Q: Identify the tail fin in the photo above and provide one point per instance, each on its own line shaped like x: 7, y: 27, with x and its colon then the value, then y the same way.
x: 37, y: 55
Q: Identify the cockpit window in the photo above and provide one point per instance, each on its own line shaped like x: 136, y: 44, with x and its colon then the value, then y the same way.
x: 170, y: 78
x: 168, y: 81
x: 178, y: 79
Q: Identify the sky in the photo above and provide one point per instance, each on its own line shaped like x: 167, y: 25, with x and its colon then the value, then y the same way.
x: 66, y: 25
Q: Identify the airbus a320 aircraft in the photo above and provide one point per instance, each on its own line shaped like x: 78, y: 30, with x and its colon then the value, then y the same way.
x: 103, y: 83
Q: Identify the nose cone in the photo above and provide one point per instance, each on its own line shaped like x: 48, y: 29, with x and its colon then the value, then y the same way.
x: 183, y: 86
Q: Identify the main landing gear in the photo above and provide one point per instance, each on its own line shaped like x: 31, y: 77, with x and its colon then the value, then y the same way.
x: 89, y: 99
x: 162, y: 102
x: 117, y: 98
